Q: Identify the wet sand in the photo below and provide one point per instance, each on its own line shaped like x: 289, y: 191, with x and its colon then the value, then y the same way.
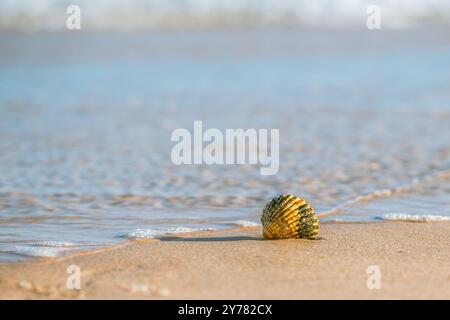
x: 237, y: 264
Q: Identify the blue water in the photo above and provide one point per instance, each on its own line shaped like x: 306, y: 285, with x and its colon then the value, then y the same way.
x: 86, y: 120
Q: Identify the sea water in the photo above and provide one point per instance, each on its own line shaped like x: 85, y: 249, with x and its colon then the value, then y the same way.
x: 86, y: 120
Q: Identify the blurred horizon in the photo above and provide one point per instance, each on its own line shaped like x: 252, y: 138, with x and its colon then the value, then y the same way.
x: 103, y: 15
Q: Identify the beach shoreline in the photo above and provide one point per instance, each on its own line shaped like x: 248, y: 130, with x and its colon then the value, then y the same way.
x: 239, y: 264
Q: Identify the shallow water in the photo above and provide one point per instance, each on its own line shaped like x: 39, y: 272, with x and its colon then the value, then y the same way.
x: 86, y: 121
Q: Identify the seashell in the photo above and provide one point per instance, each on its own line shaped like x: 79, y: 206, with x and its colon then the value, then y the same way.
x: 288, y: 216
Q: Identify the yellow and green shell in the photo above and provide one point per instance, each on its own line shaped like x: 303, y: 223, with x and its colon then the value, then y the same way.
x: 289, y: 217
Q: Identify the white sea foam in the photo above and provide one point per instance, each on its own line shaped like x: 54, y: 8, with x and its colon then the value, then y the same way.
x: 414, y: 217
x: 33, y: 251
x: 245, y: 223
x: 55, y: 244
x: 46, y: 248
x: 153, y: 233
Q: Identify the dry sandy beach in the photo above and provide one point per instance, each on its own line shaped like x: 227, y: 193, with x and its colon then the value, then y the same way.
x: 413, y: 258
